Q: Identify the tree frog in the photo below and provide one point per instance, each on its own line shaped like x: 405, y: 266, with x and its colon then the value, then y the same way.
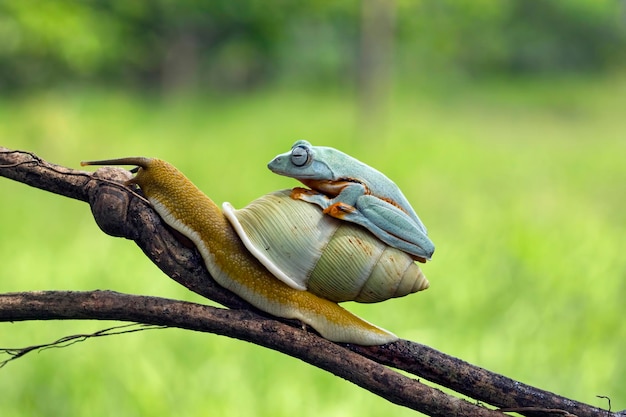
x: 350, y: 190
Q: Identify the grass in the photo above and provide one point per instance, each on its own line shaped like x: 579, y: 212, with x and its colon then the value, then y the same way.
x: 522, y: 187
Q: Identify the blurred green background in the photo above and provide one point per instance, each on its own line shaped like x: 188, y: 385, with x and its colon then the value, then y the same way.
x: 503, y: 123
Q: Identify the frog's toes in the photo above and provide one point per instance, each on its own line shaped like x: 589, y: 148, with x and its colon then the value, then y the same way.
x: 300, y: 193
x: 339, y: 210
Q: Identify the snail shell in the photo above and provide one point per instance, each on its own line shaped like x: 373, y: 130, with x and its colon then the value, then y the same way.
x: 336, y: 260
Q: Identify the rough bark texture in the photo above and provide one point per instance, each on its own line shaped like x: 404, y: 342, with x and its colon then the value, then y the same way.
x: 122, y: 212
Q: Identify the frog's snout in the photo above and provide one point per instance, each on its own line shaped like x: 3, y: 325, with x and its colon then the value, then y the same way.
x: 274, y: 164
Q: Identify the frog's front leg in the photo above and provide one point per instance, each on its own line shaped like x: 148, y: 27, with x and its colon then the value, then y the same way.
x: 343, y: 196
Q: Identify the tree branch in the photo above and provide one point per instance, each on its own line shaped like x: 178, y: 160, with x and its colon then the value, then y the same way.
x: 122, y: 212
x: 239, y: 324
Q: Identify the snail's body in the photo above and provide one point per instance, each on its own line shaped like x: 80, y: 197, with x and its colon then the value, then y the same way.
x: 185, y: 208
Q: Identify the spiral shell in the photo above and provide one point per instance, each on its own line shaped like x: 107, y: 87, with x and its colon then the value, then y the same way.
x: 336, y: 260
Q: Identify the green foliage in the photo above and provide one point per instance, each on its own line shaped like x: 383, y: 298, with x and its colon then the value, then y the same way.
x: 514, y: 36
x: 521, y: 187
x: 134, y: 42
x: 228, y: 46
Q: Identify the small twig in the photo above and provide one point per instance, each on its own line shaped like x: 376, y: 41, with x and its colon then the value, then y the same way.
x: 608, y: 413
x: 17, y: 164
x: 16, y: 353
x: 536, y: 410
x: 36, y: 161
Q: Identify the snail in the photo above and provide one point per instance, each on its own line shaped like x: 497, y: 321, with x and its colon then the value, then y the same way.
x: 261, y: 251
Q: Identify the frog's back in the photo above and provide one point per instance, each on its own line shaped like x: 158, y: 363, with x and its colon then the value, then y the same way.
x: 347, y: 167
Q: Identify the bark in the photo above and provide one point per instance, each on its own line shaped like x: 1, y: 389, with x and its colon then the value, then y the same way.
x: 122, y: 212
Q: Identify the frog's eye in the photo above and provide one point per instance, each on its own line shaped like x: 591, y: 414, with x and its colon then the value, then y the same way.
x: 300, y: 155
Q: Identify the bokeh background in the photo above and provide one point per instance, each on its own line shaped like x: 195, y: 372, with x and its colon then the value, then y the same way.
x: 503, y: 122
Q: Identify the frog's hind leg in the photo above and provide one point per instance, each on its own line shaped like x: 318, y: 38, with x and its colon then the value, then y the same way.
x: 393, y: 226
x: 386, y: 221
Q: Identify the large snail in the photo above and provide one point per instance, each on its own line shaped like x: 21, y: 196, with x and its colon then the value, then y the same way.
x: 300, y: 263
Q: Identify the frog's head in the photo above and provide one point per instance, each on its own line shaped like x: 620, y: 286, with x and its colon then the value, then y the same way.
x: 303, y: 161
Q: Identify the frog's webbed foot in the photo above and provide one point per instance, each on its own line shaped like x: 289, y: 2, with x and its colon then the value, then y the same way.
x: 339, y: 210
